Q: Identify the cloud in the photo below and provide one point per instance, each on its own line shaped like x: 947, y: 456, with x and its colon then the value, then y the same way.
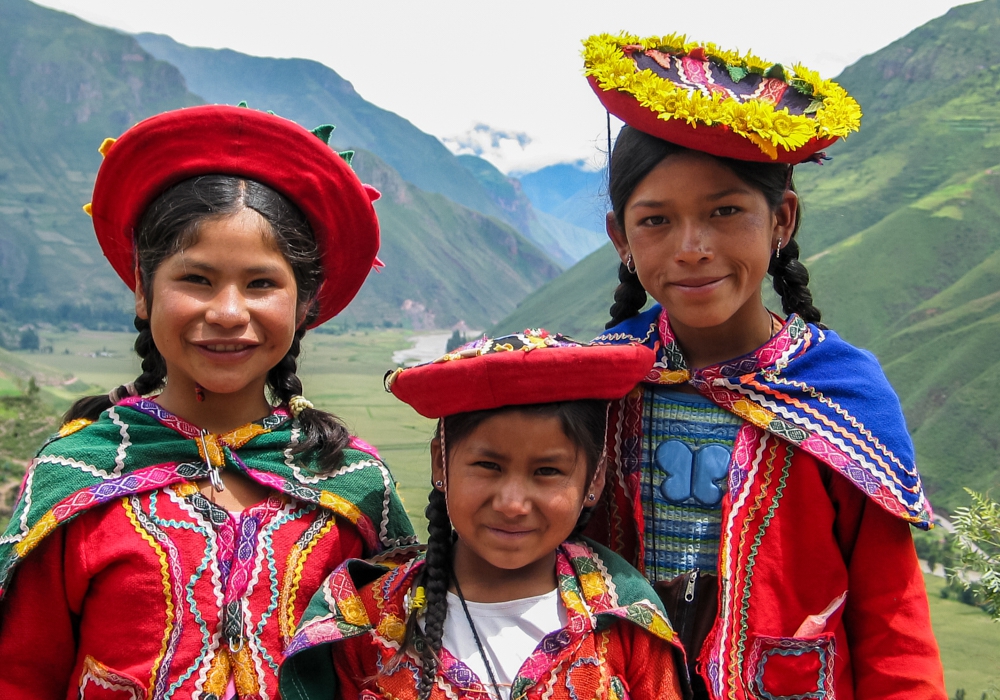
x: 486, y: 142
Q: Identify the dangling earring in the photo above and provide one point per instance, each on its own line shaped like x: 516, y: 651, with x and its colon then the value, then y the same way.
x: 199, y: 392
x: 777, y: 251
x: 630, y: 264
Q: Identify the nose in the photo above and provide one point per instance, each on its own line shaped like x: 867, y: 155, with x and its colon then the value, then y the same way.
x: 228, y: 308
x: 512, y: 499
x: 692, y: 243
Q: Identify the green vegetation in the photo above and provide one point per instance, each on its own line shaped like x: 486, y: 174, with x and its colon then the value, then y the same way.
x: 979, y: 542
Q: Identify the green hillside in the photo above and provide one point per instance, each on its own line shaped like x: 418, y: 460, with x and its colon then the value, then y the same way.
x: 903, y: 233
x: 451, y: 263
x: 65, y: 85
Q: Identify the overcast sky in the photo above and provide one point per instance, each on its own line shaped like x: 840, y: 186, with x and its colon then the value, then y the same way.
x: 514, y: 68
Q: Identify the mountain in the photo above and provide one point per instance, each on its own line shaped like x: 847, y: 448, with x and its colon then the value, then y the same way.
x: 569, y: 192
x: 444, y: 263
x: 65, y: 85
x: 902, y: 234
x: 310, y: 93
x: 563, y: 241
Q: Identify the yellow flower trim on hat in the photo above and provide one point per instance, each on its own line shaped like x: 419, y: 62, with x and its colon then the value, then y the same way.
x: 834, y: 112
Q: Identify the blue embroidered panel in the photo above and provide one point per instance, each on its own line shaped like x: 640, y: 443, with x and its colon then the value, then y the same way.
x: 689, y: 442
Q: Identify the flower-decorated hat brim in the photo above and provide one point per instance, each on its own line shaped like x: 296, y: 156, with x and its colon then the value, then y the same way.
x: 716, y: 140
x: 169, y: 148
x: 725, y: 103
x: 521, y: 377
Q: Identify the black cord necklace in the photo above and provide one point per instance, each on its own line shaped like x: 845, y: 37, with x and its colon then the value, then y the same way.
x: 475, y: 635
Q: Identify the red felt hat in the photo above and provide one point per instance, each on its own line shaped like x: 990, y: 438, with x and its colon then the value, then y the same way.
x: 220, y: 140
x: 724, y: 103
x: 515, y: 370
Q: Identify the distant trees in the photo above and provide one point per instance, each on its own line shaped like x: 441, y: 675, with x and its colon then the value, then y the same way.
x: 29, y: 339
x: 456, y: 340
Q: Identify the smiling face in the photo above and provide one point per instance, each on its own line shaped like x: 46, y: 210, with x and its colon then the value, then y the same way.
x: 701, y: 240
x: 516, y: 485
x: 223, y: 310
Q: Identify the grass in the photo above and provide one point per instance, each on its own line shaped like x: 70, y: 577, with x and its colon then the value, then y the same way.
x: 969, y: 642
x: 343, y: 374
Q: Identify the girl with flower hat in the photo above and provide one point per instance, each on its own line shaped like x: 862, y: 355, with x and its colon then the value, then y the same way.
x: 507, y: 602
x: 167, y: 540
x: 762, y: 476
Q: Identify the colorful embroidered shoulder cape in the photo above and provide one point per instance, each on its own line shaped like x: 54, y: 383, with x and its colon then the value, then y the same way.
x: 809, y: 387
x: 597, y: 587
x: 137, y: 446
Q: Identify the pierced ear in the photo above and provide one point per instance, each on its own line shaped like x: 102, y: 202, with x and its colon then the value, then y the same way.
x: 437, y: 463
x: 785, y: 216
x: 597, y: 482
x: 617, y: 236
x: 141, y: 305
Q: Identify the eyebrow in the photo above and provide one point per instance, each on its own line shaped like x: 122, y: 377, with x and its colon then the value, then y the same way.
x: 255, y: 270
x: 654, y: 203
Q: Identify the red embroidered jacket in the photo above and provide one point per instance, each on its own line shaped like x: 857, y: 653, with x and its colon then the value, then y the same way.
x: 816, y: 507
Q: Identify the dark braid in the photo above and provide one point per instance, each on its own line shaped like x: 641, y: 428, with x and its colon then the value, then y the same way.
x: 435, y: 577
x: 636, y: 153
x: 630, y: 297
x: 154, y: 371
x: 323, y: 435
x: 791, y: 279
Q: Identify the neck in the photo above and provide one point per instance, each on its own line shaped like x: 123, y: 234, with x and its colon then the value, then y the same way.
x: 484, y: 583
x: 218, y: 413
x: 745, y: 331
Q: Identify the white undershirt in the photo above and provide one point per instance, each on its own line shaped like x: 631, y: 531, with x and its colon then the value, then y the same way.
x: 509, y: 631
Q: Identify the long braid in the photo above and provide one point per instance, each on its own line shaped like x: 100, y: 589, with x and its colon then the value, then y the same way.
x: 630, y: 297
x: 437, y: 576
x: 791, y: 282
x: 322, y: 433
x: 154, y: 371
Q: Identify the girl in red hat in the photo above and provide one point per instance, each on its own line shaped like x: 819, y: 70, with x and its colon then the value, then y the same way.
x: 166, y: 542
x: 507, y: 602
x: 762, y: 477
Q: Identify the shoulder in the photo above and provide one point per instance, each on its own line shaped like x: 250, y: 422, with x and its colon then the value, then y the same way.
x: 615, y: 591
x: 641, y: 328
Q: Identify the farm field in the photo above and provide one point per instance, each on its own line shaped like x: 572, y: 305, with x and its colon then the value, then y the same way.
x: 343, y: 374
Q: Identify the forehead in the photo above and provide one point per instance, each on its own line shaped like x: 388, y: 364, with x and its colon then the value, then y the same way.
x: 689, y: 174
x: 514, y: 432
x: 246, y: 231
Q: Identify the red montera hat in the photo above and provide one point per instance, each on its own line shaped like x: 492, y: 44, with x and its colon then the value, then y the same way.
x: 724, y: 103
x: 219, y: 140
x: 514, y: 370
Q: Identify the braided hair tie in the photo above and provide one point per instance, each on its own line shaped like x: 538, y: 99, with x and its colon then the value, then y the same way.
x: 297, y: 404
x: 121, y: 392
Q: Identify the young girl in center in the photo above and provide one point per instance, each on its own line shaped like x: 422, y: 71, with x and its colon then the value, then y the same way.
x: 167, y: 540
x: 507, y: 602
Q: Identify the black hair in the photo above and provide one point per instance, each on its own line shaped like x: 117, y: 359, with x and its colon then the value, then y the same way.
x: 636, y: 154
x: 583, y: 422
x: 169, y: 225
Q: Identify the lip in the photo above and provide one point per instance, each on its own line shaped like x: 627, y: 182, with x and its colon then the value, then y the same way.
x: 697, y: 285
x: 225, y: 350
x: 509, y: 533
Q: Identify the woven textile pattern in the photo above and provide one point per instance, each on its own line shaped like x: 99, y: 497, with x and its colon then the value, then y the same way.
x: 612, y: 616
x: 684, y: 469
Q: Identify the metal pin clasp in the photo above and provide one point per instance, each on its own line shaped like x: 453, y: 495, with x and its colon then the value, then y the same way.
x: 214, y: 475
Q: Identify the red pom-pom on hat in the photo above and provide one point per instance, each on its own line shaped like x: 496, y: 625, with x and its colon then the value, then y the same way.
x: 527, y: 368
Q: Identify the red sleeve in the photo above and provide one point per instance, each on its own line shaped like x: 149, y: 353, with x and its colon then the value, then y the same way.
x: 650, y: 664
x: 892, y: 647
x: 37, y: 626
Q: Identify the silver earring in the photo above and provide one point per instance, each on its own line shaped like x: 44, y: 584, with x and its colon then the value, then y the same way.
x: 439, y: 483
x: 591, y: 497
x: 630, y: 264
x: 777, y: 251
